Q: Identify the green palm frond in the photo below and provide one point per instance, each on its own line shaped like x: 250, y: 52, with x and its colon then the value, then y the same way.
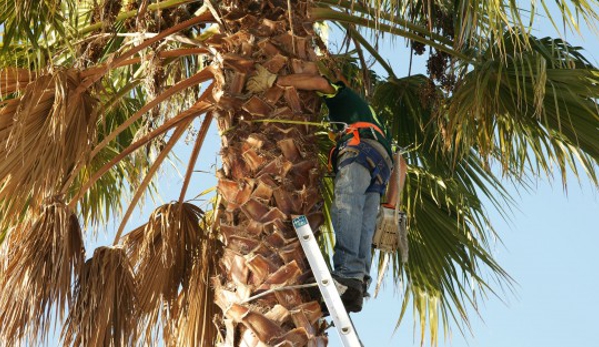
x: 467, y: 24
x: 450, y: 235
x: 69, y: 32
x: 29, y: 20
x: 328, y: 14
x: 392, y: 14
x: 570, y: 13
x: 447, y: 258
x: 537, y: 109
x: 326, y: 235
x: 104, y: 199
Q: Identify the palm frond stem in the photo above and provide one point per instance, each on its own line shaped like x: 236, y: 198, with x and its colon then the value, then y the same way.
x: 362, y: 41
x: 328, y: 14
x: 365, y: 68
x: 130, y: 14
x: 175, y: 53
x: 194, y: 80
x: 144, y: 184
x: 205, y: 17
x: 119, y: 95
x: 196, y: 110
x: 194, y: 154
x: 353, y: 6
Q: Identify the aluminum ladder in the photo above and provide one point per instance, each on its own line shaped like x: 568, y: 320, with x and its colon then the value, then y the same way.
x: 347, y: 333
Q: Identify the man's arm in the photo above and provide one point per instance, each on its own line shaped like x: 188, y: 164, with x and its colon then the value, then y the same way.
x: 397, y: 181
x: 263, y: 79
x: 305, y: 81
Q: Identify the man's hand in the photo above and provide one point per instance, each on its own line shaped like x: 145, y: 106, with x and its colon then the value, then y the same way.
x: 261, y: 81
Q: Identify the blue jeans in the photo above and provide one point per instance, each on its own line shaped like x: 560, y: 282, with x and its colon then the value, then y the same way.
x: 354, y: 214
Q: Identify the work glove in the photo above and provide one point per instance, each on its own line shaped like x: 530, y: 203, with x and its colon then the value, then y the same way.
x: 261, y: 81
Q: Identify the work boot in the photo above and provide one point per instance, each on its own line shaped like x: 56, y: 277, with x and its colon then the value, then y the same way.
x: 365, y: 286
x: 351, y: 292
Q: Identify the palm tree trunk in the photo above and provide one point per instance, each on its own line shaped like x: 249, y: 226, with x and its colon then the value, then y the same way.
x: 270, y: 173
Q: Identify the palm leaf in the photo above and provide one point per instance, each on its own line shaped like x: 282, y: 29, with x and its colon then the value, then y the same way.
x: 104, y: 198
x: 80, y: 33
x: 389, y: 14
x: 538, y: 107
x: 14, y: 80
x: 45, y: 134
x: 26, y: 19
x: 113, y: 172
x: 104, y: 310
x: 42, y: 258
x: 195, y: 325
x: 449, y: 232
x: 328, y: 14
x: 164, y: 252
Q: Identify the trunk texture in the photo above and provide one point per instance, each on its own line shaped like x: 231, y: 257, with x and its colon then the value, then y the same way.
x: 270, y: 173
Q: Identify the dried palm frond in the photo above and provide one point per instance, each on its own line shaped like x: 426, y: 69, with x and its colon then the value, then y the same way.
x: 195, y: 325
x: 42, y: 139
x: 163, y: 252
x: 13, y: 80
x: 105, y: 309
x: 41, y: 261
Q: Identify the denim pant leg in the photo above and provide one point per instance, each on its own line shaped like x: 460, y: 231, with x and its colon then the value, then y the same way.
x: 351, y: 183
x: 370, y: 214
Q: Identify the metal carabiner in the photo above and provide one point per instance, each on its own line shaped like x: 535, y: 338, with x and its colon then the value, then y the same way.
x: 345, y: 126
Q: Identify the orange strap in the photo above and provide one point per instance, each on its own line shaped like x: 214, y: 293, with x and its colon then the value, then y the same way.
x: 330, y: 164
x: 355, y: 130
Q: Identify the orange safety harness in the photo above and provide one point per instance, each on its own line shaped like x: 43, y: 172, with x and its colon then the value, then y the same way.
x: 354, y: 129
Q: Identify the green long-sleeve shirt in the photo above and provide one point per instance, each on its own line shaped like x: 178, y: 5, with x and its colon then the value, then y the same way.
x: 347, y: 106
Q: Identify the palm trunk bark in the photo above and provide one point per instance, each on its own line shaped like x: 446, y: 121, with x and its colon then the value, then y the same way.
x: 270, y: 173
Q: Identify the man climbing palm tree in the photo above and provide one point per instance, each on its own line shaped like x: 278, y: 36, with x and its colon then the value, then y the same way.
x: 362, y: 161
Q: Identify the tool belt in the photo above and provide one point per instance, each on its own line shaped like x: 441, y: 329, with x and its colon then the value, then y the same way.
x: 352, y: 133
x: 368, y: 156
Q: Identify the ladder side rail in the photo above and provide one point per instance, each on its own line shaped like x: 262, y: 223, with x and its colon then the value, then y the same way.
x: 320, y: 270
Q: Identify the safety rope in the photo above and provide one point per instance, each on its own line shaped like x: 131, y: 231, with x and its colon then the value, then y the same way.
x: 321, y: 124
